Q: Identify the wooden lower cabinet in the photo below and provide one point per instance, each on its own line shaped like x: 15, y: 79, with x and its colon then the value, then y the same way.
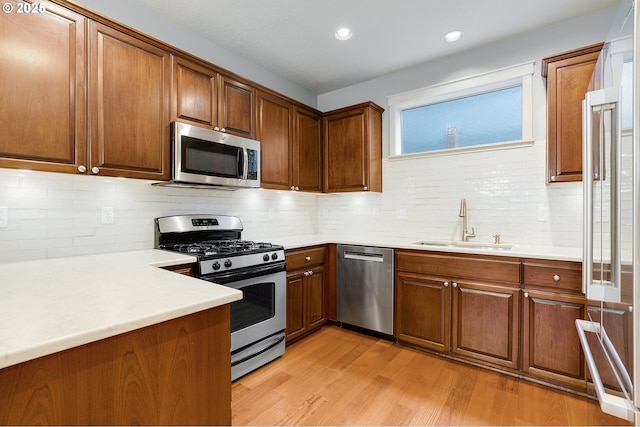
x: 176, y: 372
x: 485, y: 323
x: 551, y: 348
x: 306, y: 291
x: 439, y: 309
x: 423, y: 310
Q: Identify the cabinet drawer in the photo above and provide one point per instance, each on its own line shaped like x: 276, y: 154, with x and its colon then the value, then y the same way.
x: 561, y: 275
x: 486, y: 268
x: 306, y: 257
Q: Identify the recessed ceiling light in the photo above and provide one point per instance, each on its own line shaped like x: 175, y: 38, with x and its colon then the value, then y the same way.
x: 344, y: 34
x: 453, y: 36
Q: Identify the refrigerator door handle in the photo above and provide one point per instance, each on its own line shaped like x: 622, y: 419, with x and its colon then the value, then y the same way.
x: 601, y: 166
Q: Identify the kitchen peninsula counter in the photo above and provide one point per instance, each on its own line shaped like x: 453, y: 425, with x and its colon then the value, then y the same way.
x: 111, y: 339
x: 54, y: 304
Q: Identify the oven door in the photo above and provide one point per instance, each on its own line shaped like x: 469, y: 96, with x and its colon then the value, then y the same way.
x: 261, y: 311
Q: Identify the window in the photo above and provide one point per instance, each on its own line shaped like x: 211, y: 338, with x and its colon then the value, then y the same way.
x: 487, y: 111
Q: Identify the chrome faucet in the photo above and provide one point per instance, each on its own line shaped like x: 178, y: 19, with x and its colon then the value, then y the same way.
x: 463, y: 215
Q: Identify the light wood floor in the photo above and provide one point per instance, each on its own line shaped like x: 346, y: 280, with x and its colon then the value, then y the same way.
x: 339, y: 377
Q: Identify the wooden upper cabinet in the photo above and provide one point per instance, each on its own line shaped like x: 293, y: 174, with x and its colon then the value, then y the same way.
x: 568, y: 80
x: 195, y: 93
x: 275, y: 133
x: 42, y: 80
x: 129, y: 84
x: 236, y: 107
x: 290, y: 144
x: 307, y: 150
x: 353, y: 149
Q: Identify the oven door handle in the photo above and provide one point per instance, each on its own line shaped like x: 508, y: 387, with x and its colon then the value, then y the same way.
x: 266, y: 345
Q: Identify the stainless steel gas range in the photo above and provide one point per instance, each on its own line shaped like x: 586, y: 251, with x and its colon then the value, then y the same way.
x: 258, y: 269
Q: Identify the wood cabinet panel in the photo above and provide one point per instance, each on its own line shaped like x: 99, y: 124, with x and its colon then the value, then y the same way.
x: 422, y: 312
x: 129, y: 105
x: 485, y: 323
x: 236, y: 107
x: 307, y: 150
x: 568, y: 78
x: 42, y: 81
x: 307, y: 303
x: 551, y: 347
x: 174, y: 373
x: 195, y: 93
x: 451, y: 266
x: 275, y: 133
x: 353, y: 149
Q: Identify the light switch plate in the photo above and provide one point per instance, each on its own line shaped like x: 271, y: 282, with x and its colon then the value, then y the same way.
x: 543, y: 214
x: 4, y: 216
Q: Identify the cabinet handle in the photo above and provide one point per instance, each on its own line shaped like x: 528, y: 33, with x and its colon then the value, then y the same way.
x: 556, y: 277
x: 553, y: 178
x: 95, y: 170
x: 216, y: 128
x: 455, y: 284
x: 526, y: 294
x: 446, y: 284
x: 297, y: 188
x: 366, y: 188
x: 82, y: 168
x: 307, y: 258
x: 310, y: 272
x: 306, y: 273
x: 293, y: 188
x: 223, y: 130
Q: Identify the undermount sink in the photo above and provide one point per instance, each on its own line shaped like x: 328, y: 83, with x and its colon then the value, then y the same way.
x: 460, y: 244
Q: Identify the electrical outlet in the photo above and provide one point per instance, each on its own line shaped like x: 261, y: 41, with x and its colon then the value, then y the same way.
x: 4, y: 216
x: 107, y: 215
x: 325, y: 213
x: 401, y: 213
x: 376, y: 213
x: 543, y: 214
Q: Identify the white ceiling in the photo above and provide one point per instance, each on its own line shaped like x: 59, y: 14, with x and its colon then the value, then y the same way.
x: 295, y: 38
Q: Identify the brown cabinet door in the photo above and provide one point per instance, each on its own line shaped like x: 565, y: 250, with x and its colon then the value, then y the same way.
x: 307, y: 150
x: 129, y: 82
x: 353, y: 149
x: 315, y: 297
x: 42, y: 80
x: 275, y: 136
x: 423, y: 313
x: 194, y: 97
x: 551, y: 347
x: 236, y: 107
x: 568, y: 78
x: 295, y: 306
x: 485, y: 323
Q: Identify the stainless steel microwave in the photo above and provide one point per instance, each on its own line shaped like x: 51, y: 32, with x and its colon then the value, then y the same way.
x: 205, y: 157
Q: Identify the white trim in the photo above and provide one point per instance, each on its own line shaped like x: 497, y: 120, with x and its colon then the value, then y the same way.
x: 463, y: 150
x: 521, y: 74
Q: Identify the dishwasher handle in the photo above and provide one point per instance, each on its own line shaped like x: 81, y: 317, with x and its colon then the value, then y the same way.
x: 363, y: 256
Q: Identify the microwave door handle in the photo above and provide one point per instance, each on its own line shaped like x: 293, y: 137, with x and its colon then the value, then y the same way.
x: 241, y: 159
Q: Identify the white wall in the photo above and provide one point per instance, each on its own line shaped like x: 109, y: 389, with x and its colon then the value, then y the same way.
x: 53, y: 214
x: 504, y: 189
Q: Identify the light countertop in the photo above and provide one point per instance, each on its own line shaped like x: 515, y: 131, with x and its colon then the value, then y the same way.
x: 517, y: 250
x: 55, y: 304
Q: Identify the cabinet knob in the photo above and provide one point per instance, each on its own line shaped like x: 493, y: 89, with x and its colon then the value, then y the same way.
x: 310, y: 272
x: 216, y: 128
x: 293, y: 188
x: 306, y: 273
x: 223, y: 130
x: 307, y: 258
x: 297, y: 188
x: 366, y: 188
x: 446, y: 284
x: 526, y: 294
x: 95, y: 170
x: 82, y: 168
x: 556, y: 277
x: 454, y: 284
x: 553, y: 178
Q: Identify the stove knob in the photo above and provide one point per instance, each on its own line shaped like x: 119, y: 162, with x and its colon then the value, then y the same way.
x: 274, y: 256
x: 265, y: 258
x: 216, y: 265
x: 227, y: 263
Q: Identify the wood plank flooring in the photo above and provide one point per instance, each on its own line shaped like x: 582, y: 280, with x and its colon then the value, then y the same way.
x: 340, y: 377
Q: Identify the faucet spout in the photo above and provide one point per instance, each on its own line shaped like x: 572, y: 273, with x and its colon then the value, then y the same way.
x: 465, y: 229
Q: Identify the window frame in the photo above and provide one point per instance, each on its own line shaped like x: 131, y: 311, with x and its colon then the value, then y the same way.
x: 517, y: 75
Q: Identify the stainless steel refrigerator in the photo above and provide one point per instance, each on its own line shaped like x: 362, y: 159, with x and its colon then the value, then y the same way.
x: 610, y: 336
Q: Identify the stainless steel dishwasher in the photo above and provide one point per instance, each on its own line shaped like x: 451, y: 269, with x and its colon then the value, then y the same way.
x: 365, y: 287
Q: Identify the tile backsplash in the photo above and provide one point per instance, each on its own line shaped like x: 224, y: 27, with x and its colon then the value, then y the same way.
x: 53, y: 214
